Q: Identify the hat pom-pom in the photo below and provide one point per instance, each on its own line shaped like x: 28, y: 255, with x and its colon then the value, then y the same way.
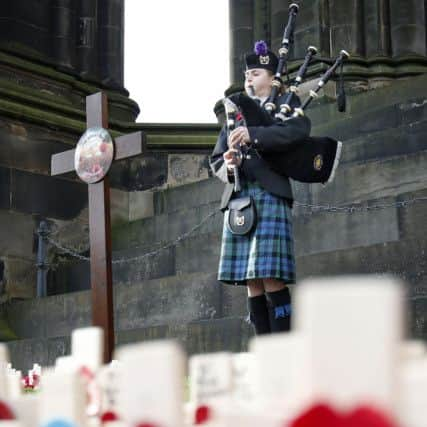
x: 261, y: 48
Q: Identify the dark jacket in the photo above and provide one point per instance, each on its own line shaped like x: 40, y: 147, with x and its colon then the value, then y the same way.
x: 266, y: 142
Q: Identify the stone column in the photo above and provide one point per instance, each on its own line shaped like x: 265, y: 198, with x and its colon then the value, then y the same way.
x: 279, y: 18
x: 64, y: 34
x: 87, y: 38
x: 25, y: 28
x: 312, y: 28
x: 262, y: 27
x: 408, y: 27
x: 111, y: 42
x: 241, y: 36
x: 377, y: 27
x: 347, y: 26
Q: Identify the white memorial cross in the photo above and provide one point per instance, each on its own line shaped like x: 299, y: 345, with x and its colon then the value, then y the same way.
x: 243, y: 379
x: 63, y: 397
x: 280, y: 373
x: 412, y: 393
x: 87, y: 347
x: 26, y: 408
x: 13, y: 383
x: 211, y: 378
x: 4, y: 360
x: 106, y: 379
x: 354, y: 327
x: 151, y: 383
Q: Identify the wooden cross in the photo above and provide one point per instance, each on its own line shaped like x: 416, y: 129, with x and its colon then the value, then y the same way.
x: 99, y: 217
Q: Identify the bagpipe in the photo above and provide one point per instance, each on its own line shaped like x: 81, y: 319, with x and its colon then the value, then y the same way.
x: 312, y: 160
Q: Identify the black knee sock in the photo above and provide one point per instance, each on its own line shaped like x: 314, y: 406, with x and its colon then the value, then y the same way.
x: 258, y: 314
x: 279, y: 310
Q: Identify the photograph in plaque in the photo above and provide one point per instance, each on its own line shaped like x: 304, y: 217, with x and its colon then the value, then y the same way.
x: 94, y: 155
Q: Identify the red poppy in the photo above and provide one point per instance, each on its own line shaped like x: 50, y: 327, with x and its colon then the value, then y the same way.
x: 5, y: 412
x: 319, y: 415
x: 109, y: 416
x: 368, y: 417
x: 322, y: 415
x: 26, y: 381
x: 36, y: 380
x: 202, y: 414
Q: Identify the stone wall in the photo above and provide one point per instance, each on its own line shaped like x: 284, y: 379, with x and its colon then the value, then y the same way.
x: 385, y: 38
x: 164, y: 193
x: 175, y: 292
x: 78, y: 37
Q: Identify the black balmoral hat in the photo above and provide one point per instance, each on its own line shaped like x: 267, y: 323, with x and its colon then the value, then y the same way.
x: 262, y: 57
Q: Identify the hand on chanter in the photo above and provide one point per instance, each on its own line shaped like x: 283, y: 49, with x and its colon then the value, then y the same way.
x: 238, y: 137
x: 232, y: 158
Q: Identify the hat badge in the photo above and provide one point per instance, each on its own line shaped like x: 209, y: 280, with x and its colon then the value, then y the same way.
x: 264, y: 60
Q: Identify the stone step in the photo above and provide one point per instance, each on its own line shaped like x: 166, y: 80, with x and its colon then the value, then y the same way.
x: 404, y: 91
x: 404, y: 259
x: 196, y: 337
x: 169, y: 300
x: 372, y: 180
x: 355, y: 181
x: 332, y: 232
x: 202, y: 256
x: 313, y: 232
x: 165, y: 227
x: 186, y: 196
x: 351, y: 125
x: 368, y: 139
x: 386, y: 143
x: 392, y: 116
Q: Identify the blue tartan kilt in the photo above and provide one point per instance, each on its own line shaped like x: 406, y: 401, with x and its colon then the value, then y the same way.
x: 267, y: 251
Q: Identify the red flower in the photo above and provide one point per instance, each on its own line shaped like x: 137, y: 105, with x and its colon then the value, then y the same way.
x: 322, y: 415
x: 109, y: 416
x: 5, y: 412
x: 36, y: 380
x: 28, y: 383
x: 202, y: 414
x: 368, y: 417
x: 319, y: 415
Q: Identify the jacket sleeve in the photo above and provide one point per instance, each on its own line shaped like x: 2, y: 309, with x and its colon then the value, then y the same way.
x: 279, y: 136
x: 216, y: 161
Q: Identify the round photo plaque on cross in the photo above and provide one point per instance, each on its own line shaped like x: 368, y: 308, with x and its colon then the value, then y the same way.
x: 94, y: 155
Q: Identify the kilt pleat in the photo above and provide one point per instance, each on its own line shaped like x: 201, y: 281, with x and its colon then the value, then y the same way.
x: 267, y: 251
